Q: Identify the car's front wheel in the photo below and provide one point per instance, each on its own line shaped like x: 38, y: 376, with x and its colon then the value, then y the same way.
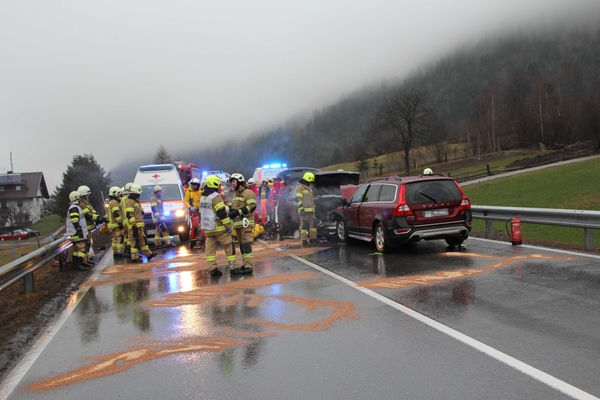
x: 381, y: 243
x: 341, y: 231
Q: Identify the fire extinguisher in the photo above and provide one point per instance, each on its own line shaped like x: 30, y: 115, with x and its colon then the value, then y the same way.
x: 515, y: 231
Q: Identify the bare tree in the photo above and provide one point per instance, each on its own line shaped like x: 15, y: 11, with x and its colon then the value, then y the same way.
x: 434, y: 140
x: 162, y: 156
x: 405, y: 117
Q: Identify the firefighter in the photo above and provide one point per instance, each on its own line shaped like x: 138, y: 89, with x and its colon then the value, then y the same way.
x: 278, y: 186
x: 264, y: 192
x: 161, y: 234
x: 242, y: 206
x: 135, y: 215
x: 76, y: 229
x: 252, y: 186
x: 192, y: 200
x: 115, y: 221
x: 216, y: 224
x: 306, y: 208
x: 91, y: 218
x: 126, y: 227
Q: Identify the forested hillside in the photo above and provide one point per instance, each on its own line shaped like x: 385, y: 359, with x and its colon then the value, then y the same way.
x: 502, y: 93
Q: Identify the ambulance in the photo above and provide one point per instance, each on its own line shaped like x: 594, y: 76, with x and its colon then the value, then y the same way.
x: 267, y: 172
x: 177, y: 214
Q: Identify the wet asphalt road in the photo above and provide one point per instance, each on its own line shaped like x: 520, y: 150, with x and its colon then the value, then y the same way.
x: 292, y: 331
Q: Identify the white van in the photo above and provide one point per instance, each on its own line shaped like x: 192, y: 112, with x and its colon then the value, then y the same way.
x: 167, y: 176
x: 224, y: 176
x: 267, y: 172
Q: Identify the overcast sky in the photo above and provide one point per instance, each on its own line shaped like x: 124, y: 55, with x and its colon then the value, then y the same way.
x: 119, y: 78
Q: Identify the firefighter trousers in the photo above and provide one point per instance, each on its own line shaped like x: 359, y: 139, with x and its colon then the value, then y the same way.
x: 307, y: 226
x: 245, y: 239
x: 137, y: 237
x: 210, y: 250
x: 118, y: 240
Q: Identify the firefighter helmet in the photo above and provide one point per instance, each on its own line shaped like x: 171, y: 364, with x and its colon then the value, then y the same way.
x: 308, y: 177
x: 135, y: 189
x: 195, y: 181
x: 238, y: 177
x: 74, y: 196
x: 427, y: 171
x: 157, y: 188
x: 251, y: 182
x: 114, y: 191
x: 128, y: 186
x: 84, y: 190
x: 212, y: 181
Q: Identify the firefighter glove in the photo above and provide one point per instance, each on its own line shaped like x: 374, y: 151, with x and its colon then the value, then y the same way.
x: 233, y: 213
x: 302, y: 212
x: 79, y: 232
x: 121, y: 225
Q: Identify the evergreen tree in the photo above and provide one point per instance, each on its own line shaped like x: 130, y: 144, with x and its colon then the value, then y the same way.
x: 84, y: 170
x: 162, y: 156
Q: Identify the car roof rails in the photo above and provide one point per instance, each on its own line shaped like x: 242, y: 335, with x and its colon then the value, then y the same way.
x: 432, y: 175
x: 389, y: 178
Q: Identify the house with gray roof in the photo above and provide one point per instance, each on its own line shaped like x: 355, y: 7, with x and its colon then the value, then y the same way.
x: 24, y: 192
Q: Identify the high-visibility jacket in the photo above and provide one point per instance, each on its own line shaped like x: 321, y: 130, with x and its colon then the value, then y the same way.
x: 115, y: 215
x: 213, y: 216
x: 75, y: 219
x: 264, y: 192
x: 124, y: 209
x: 305, y: 198
x: 91, y: 216
x: 135, y: 214
x: 192, y: 198
x: 244, y: 199
x: 156, y: 205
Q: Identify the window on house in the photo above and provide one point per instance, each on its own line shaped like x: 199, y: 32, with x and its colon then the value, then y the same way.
x: 19, y: 203
x: 3, y: 204
x: 17, y: 187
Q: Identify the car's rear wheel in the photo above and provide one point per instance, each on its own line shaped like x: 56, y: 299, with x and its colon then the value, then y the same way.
x: 341, y: 231
x: 381, y: 243
x: 454, y: 241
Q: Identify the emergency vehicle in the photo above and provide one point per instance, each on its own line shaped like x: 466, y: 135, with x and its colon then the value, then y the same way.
x: 224, y: 176
x: 176, y: 213
x: 187, y: 171
x: 267, y: 172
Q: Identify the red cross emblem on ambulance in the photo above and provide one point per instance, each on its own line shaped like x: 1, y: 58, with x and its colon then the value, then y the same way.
x: 155, y: 176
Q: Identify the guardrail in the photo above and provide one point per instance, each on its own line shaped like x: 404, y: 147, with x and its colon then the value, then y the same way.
x: 588, y: 220
x: 22, y: 268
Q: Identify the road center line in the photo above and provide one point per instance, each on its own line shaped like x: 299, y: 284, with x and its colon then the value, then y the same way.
x: 535, y: 373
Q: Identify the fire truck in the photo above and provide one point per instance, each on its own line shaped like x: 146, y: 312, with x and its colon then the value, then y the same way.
x: 187, y: 171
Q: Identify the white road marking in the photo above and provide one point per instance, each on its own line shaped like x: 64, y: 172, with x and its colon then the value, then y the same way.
x: 14, y: 377
x: 535, y: 373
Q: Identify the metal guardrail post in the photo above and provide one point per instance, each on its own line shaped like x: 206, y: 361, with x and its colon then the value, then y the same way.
x: 489, y: 229
x: 28, y: 283
x: 589, y: 239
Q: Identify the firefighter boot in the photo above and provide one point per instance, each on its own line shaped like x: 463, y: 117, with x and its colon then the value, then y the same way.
x: 194, y: 245
x: 77, y: 264
x: 215, y: 273
x: 152, y: 255
x: 243, y: 270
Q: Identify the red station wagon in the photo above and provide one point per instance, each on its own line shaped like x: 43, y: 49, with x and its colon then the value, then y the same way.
x: 398, y: 210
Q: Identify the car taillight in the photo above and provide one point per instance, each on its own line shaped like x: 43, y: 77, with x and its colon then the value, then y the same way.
x: 465, y: 204
x: 401, y: 209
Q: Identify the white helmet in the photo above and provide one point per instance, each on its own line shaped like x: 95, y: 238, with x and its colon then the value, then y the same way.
x: 157, y: 188
x: 135, y: 189
x: 84, y: 190
x: 251, y: 182
x: 195, y: 181
x: 114, y: 191
x: 427, y: 171
x: 74, y: 196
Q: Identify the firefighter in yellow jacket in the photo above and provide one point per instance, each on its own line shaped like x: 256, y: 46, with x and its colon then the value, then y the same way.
x: 242, y: 206
x: 306, y: 208
x: 161, y: 234
x: 76, y: 229
x: 91, y: 217
x: 126, y: 227
x: 115, y: 221
x: 192, y: 201
x: 216, y: 225
x: 135, y: 215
